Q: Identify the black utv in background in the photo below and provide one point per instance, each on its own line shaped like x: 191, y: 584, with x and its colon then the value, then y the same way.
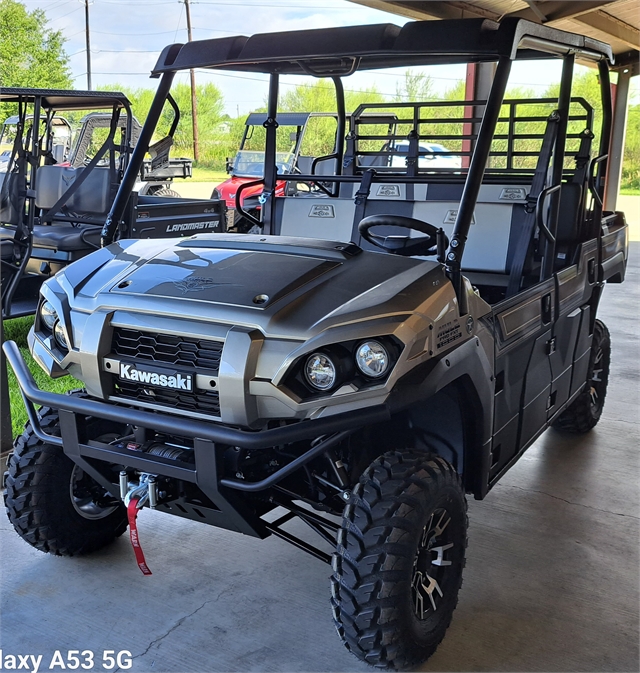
x: 57, y: 185
x: 389, y: 341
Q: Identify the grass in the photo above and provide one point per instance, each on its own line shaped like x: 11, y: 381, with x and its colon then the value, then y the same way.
x: 17, y: 330
x: 204, y: 174
x: 629, y: 191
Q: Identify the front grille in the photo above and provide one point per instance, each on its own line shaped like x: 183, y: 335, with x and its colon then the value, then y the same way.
x: 199, y: 354
x: 186, y: 354
x: 201, y: 401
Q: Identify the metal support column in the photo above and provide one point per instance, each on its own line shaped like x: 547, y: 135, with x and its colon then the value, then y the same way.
x: 137, y: 157
x: 267, y: 198
x: 6, y: 434
x: 616, y: 149
x: 477, y: 87
x: 473, y: 182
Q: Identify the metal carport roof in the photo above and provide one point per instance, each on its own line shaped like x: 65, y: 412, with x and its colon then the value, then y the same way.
x: 616, y: 22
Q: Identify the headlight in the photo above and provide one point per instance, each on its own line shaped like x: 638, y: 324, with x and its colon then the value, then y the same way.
x: 60, y: 337
x: 48, y: 315
x: 320, y: 371
x: 215, y: 194
x: 372, y: 359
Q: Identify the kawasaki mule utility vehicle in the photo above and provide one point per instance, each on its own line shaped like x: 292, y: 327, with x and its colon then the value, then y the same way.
x: 387, y: 344
x: 54, y: 193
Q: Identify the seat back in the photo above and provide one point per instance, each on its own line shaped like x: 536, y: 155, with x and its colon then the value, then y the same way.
x: 12, y: 193
x: 303, y: 164
x: 311, y: 217
x: 92, y: 198
x: 496, y: 219
x: 497, y: 216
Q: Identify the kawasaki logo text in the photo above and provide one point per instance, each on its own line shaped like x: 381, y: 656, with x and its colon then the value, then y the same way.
x: 176, y: 381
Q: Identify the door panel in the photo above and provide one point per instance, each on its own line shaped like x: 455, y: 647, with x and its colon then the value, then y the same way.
x: 537, y: 389
x: 561, y: 357
x: 523, y: 370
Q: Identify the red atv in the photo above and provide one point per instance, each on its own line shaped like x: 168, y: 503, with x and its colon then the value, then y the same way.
x: 294, y: 135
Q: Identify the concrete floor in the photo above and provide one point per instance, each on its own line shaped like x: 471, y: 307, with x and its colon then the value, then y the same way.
x: 551, y: 582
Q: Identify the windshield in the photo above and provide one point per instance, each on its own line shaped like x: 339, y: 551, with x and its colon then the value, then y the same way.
x: 250, y: 163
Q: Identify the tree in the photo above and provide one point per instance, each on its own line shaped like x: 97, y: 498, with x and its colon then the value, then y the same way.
x: 31, y: 55
x: 417, y: 86
x: 631, y: 163
x: 216, y: 140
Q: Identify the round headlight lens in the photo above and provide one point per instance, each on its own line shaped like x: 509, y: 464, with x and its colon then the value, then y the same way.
x: 215, y: 194
x: 60, y: 336
x: 48, y: 315
x: 320, y: 371
x: 372, y: 359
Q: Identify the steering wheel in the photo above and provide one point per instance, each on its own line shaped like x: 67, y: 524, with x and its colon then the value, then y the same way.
x: 404, y: 245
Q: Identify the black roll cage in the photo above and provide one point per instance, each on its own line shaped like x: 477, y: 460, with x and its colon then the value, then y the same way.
x: 339, y: 52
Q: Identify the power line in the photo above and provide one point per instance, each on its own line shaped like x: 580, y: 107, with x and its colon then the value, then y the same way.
x: 175, y: 35
x: 67, y: 14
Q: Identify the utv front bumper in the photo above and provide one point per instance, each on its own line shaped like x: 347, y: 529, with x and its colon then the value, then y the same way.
x: 210, y: 440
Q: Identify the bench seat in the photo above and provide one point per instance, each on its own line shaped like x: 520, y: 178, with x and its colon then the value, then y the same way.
x: 60, y: 237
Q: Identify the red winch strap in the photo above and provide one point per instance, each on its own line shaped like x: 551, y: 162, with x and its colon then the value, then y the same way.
x: 132, y: 512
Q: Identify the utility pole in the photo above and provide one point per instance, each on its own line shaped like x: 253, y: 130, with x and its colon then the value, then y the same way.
x: 194, y: 106
x: 88, y: 40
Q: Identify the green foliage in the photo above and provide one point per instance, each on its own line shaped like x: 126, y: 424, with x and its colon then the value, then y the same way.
x: 218, y: 136
x: 17, y: 330
x: 31, y: 55
x: 416, y: 86
x: 631, y: 163
x: 321, y: 97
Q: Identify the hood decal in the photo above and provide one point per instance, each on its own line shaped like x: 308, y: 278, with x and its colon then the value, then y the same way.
x: 196, y: 284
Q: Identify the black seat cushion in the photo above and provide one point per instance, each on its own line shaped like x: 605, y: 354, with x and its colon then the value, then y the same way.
x: 66, y: 237
x: 58, y: 236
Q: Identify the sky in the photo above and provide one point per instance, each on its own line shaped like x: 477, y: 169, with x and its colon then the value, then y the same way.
x: 128, y: 35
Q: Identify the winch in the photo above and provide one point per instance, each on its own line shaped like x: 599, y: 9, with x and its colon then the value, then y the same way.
x: 135, y: 496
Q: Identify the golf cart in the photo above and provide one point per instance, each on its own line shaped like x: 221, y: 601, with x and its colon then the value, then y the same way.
x: 55, y: 196
x: 380, y: 349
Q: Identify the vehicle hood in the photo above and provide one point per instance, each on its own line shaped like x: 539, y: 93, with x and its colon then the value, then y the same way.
x: 229, y: 188
x: 279, y: 284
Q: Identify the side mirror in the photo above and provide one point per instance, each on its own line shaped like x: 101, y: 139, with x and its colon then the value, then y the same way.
x: 293, y: 136
x: 228, y: 165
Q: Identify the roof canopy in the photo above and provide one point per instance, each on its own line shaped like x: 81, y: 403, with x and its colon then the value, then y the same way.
x: 61, y: 99
x: 336, y: 51
x: 616, y: 22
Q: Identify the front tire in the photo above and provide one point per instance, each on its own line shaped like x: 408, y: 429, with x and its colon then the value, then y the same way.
x: 399, y: 559
x: 585, y: 411
x: 52, y: 503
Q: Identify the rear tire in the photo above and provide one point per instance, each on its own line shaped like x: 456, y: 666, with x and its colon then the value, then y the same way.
x: 399, y: 559
x: 165, y: 191
x: 585, y: 411
x: 52, y: 503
